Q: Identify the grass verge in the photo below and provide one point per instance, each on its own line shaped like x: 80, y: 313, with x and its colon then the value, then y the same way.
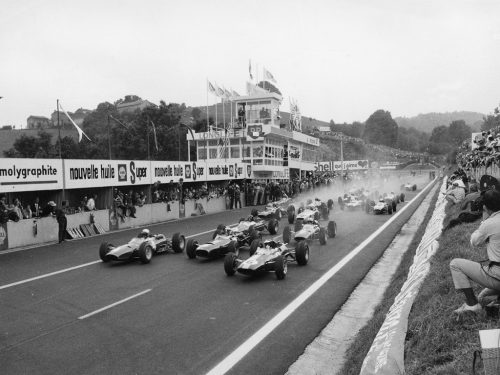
x: 363, y: 340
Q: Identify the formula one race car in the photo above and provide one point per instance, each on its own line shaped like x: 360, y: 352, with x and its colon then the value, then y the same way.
x: 142, y: 247
x: 272, y: 256
x: 310, y: 230
x: 381, y: 207
x: 314, y: 209
x: 275, y: 210
x: 227, y: 239
x: 409, y: 187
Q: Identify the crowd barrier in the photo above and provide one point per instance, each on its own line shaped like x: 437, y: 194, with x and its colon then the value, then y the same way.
x: 492, y: 170
x: 38, y: 231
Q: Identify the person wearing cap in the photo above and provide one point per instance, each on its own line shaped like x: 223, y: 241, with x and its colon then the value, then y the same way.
x: 485, y: 273
x: 48, y: 210
x: 457, y: 192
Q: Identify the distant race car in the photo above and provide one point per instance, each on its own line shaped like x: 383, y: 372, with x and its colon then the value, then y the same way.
x: 310, y: 230
x: 381, y: 207
x: 228, y: 239
x: 409, y: 187
x: 271, y: 256
x: 142, y: 247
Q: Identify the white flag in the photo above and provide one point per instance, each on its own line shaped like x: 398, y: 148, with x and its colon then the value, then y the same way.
x: 78, y: 129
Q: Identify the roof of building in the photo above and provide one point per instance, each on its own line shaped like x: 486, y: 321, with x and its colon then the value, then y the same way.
x: 38, y: 118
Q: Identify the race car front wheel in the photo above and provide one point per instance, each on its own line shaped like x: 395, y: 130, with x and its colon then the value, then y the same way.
x: 273, y: 226
x: 103, y: 251
x: 302, y: 253
x: 191, y: 247
x: 332, y: 229
x: 287, y: 234
x: 178, y: 242
x: 230, y: 264
x: 322, y: 236
x: 145, y: 252
x: 280, y: 267
x: 254, y: 246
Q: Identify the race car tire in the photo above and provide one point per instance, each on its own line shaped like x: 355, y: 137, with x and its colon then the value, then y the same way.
x: 254, y: 212
x: 103, y: 251
x: 254, y: 234
x: 232, y: 247
x: 325, y: 213
x: 394, y: 206
x: 389, y: 209
x: 298, y: 226
x: 331, y: 229
x: 302, y: 253
x: 340, y: 201
x: 178, y: 243
x: 402, y: 197
x: 230, y: 264
x: 145, y: 253
x: 280, y: 267
x: 287, y: 235
x: 414, y: 188
x: 273, y: 226
x: 191, y: 247
x: 254, y: 246
x: 322, y: 236
x: 277, y: 214
x: 291, y: 217
x: 330, y: 204
x: 316, y: 215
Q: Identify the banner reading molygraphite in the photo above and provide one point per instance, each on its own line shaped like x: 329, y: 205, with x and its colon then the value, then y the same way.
x: 386, y: 355
x: 30, y: 174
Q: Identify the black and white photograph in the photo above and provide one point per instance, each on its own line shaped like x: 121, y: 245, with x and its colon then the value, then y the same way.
x: 269, y: 187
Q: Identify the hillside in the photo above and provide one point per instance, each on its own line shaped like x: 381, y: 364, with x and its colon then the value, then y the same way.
x: 8, y: 137
x: 428, y: 121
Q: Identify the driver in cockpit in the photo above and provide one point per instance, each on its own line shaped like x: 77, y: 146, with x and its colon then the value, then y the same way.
x: 144, y: 234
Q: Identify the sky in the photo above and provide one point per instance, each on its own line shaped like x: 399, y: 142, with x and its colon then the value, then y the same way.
x: 340, y: 59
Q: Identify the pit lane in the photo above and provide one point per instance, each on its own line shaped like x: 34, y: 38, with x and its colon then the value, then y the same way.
x: 192, y: 318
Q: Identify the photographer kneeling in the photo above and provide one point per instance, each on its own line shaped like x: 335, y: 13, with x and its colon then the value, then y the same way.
x: 486, y: 273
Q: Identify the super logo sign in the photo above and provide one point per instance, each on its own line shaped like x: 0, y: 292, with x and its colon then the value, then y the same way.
x: 137, y: 172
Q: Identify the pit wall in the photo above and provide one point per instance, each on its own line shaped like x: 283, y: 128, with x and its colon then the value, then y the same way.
x: 29, y: 232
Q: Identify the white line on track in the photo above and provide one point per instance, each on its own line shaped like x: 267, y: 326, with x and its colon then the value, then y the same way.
x: 240, y: 352
x: 113, y: 304
x: 75, y: 267
x: 48, y: 275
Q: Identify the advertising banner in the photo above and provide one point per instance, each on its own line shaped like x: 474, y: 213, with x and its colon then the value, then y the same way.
x: 93, y: 173
x: 30, y: 174
x: 220, y: 170
x: 173, y: 171
x: 336, y: 166
x: 257, y: 132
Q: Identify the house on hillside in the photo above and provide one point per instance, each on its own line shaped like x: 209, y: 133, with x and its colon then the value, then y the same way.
x: 78, y: 116
x: 132, y: 103
x: 37, y: 122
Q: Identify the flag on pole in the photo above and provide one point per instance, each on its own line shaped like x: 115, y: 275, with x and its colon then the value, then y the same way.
x: 250, y: 69
x: 220, y: 92
x: 234, y: 93
x: 78, y: 129
x: 154, y: 136
x: 227, y: 93
x: 211, y: 88
x: 268, y: 76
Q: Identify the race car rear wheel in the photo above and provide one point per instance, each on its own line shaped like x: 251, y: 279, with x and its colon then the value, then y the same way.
x: 178, y: 243
x: 325, y: 213
x: 332, y: 229
x: 280, y: 267
x: 232, y: 247
x: 329, y: 204
x: 291, y: 214
x: 402, y: 197
x: 103, y: 251
x: 145, y: 252
x: 230, y: 263
x: 322, y: 236
x: 191, y: 247
x: 302, y: 253
x: 273, y: 226
x: 394, y: 206
x: 389, y: 209
x: 254, y: 246
x: 287, y: 234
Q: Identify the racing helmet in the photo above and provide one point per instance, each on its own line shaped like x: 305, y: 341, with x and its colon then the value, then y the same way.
x: 144, y: 233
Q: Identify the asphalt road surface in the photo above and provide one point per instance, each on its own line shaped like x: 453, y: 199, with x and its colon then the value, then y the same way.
x: 63, y: 311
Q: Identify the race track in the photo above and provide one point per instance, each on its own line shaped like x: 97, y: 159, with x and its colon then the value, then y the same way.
x: 174, y: 315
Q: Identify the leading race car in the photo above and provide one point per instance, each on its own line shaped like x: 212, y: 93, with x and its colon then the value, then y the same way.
x: 272, y: 256
x: 310, y: 230
x: 379, y: 208
x: 142, y: 247
x: 230, y: 238
x: 409, y: 187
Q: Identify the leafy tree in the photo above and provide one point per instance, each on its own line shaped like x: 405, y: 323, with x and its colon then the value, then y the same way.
x: 32, y: 147
x: 458, y: 132
x: 491, y: 121
x: 381, y: 129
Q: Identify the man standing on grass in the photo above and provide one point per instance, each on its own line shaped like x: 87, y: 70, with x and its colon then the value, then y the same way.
x: 485, y: 273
